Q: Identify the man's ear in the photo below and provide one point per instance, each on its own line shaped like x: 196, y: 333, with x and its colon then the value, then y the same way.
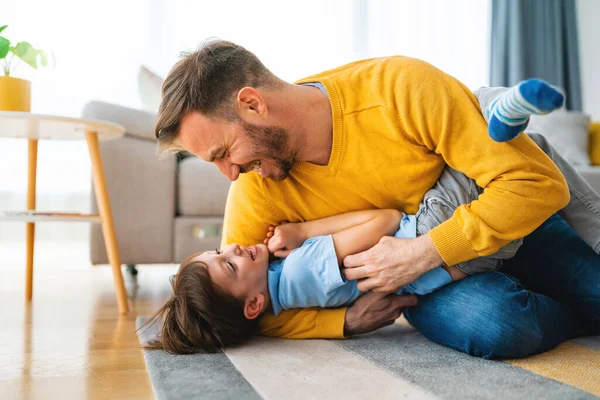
x: 254, y: 307
x: 251, y: 103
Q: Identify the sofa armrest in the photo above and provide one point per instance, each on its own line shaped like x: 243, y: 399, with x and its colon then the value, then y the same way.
x: 141, y: 190
x: 137, y: 123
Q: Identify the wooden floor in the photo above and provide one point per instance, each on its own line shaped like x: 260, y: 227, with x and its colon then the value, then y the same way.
x: 70, y: 342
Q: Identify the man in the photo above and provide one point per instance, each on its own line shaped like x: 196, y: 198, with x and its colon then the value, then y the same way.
x: 377, y: 134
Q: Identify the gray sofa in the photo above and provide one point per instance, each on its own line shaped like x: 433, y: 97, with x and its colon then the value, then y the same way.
x: 165, y: 210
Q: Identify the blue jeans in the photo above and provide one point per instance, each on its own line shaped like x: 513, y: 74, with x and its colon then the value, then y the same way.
x: 548, y: 293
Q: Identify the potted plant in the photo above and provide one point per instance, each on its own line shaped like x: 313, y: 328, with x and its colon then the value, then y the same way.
x: 15, y: 93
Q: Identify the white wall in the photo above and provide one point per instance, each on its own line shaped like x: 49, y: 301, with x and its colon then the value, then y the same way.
x: 589, y: 51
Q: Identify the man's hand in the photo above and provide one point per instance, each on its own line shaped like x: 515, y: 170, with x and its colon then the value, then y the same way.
x: 375, y: 310
x: 392, y: 263
x: 282, y: 239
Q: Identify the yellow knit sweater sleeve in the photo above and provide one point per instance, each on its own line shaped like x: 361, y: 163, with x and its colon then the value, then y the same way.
x: 248, y: 214
x: 522, y: 186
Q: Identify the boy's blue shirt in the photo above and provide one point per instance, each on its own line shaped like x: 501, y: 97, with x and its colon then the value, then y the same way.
x: 311, y: 277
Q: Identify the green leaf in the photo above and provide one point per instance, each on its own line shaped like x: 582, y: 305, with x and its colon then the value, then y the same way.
x: 43, y: 58
x: 27, y: 53
x: 4, y: 47
x: 3, y: 27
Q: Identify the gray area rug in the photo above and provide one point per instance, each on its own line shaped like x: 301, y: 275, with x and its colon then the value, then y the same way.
x: 394, y: 362
x: 450, y: 374
x: 196, y: 376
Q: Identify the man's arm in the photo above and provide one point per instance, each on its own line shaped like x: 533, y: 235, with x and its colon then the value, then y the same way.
x: 440, y: 113
x: 516, y: 176
x: 369, y: 312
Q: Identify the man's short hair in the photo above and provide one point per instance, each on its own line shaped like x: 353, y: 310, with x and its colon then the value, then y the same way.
x: 205, y: 81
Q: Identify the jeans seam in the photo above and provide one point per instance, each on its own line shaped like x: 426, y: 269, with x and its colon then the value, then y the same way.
x: 515, y: 284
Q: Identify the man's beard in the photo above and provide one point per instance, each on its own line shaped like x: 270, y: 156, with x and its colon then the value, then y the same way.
x: 272, y: 143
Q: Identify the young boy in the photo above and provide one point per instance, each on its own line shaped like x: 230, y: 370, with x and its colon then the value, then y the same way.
x: 219, y: 296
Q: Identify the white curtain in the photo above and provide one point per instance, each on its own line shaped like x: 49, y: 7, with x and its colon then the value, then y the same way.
x: 99, y: 46
x: 299, y: 38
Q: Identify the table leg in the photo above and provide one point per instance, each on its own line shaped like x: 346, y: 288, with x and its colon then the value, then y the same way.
x: 108, y: 228
x: 31, y: 189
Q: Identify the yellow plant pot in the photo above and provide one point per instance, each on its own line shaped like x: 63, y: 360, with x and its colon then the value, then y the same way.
x: 15, y: 94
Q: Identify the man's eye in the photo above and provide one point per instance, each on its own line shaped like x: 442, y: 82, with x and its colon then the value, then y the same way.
x: 217, y: 251
x: 231, y: 265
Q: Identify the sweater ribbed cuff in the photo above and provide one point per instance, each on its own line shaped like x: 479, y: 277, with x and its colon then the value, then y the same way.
x: 452, y: 244
x: 330, y: 323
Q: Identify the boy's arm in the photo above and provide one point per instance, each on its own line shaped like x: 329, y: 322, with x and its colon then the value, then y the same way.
x: 364, y: 235
x: 352, y: 232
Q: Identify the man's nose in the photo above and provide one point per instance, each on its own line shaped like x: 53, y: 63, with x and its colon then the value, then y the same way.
x: 230, y: 170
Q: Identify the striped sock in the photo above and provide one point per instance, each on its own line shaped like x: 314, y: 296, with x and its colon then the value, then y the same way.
x: 510, y: 112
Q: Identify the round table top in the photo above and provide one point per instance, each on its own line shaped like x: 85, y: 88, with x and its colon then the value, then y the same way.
x: 26, y: 125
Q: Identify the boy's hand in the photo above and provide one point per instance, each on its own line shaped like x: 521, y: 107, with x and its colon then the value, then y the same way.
x: 282, y: 239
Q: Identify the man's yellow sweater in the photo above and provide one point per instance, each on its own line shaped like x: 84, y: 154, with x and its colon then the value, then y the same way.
x: 397, y: 122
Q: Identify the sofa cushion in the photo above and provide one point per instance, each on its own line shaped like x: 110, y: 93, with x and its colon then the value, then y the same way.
x: 137, y: 123
x: 149, y: 89
x: 202, y: 189
x: 195, y: 234
x: 567, y: 131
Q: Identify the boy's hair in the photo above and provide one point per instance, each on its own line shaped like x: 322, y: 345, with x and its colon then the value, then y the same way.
x: 200, y: 316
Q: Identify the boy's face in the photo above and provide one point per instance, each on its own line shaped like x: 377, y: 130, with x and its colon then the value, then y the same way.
x: 241, y: 272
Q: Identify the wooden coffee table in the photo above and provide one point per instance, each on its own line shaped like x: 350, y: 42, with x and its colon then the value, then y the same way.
x: 35, y: 127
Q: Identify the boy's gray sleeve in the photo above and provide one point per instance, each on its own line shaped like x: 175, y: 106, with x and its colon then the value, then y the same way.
x: 583, y: 211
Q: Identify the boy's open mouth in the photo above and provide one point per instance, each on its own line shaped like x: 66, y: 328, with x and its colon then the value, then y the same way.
x: 252, y: 252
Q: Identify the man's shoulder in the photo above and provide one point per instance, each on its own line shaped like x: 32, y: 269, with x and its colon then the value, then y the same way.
x: 249, y: 185
x: 368, y: 66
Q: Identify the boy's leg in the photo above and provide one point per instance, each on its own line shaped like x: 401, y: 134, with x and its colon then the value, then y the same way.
x: 453, y: 189
x: 583, y: 210
x: 507, y: 111
x: 556, y: 262
x: 491, y: 315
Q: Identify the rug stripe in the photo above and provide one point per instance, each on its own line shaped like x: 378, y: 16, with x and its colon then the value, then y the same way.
x: 591, y: 342
x: 196, y: 376
x: 304, y: 369
x: 568, y: 363
x: 450, y: 374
